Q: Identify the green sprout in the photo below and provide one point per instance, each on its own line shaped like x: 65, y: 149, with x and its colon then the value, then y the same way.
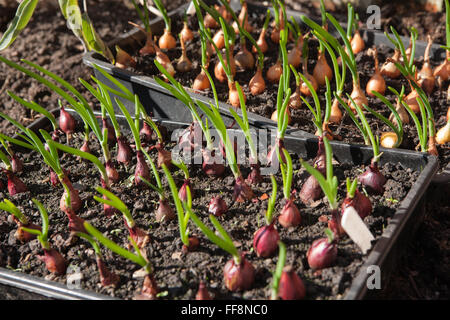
x: 42, y: 235
x: 278, y: 270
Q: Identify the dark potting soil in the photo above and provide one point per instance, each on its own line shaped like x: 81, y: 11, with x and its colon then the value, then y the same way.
x: 265, y: 103
x: 178, y: 274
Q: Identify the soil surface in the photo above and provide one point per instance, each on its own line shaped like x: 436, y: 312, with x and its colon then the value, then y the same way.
x: 176, y: 273
x: 423, y: 273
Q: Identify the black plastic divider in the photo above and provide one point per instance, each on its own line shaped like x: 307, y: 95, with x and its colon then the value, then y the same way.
x: 384, y: 254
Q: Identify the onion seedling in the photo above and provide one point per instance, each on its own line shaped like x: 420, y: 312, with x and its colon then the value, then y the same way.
x: 186, y: 33
x: 357, y: 200
x: 286, y: 284
x: 183, y: 64
x: 322, y: 70
x: 265, y: 239
x: 142, y: 169
x: 15, y: 184
x: 329, y: 184
x: 254, y: 176
x: 167, y: 40
x: 191, y: 136
x: 52, y: 258
x: 139, y: 236
x: 407, y: 67
x: 274, y: 73
x: 295, y: 54
x: 346, y: 55
x: 242, y: 191
x: 189, y: 243
x: 51, y: 158
x: 148, y: 48
x: 372, y: 178
x: 124, y: 151
x: 21, y: 220
x: 394, y: 138
x: 311, y: 190
x: 323, y: 252
x: 442, y: 72
x: 164, y: 211
x: 425, y: 76
x: 104, y: 177
x: 182, y: 193
x: 239, y: 273
x: 289, y: 215
x: 202, y: 293
x: 149, y: 289
x: 376, y: 82
x: 356, y: 41
x: 107, y: 277
x: 279, y: 22
x: 201, y: 82
x: 261, y: 42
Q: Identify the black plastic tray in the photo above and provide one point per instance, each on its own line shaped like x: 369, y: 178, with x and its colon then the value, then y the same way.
x: 164, y: 105
x: 384, y: 254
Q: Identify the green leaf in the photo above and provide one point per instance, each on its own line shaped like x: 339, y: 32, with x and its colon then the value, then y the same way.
x: 94, y: 40
x: 23, y: 15
x: 138, y: 259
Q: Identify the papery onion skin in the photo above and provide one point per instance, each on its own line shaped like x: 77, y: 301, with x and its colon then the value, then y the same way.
x: 265, y: 241
x: 322, y: 254
x: 15, y: 184
x: 107, y: 277
x: 359, y: 202
x: 217, y: 206
x: 239, y: 277
x: 167, y: 40
x: 202, y: 293
x: 290, y: 215
x: 373, y: 179
x: 54, y: 261
x: 164, y: 211
x: 142, y: 169
x: 242, y: 192
x: 67, y: 122
x: 291, y: 287
x: 257, y: 85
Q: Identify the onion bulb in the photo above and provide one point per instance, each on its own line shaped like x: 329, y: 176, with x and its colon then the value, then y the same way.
x: 431, y: 147
x: 201, y: 82
x: 358, y: 96
x: 244, y: 58
x: 242, y: 192
x: 123, y: 59
x: 243, y: 15
x: 443, y: 134
x: 322, y: 253
x: 335, y: 113
x: 411, y: 100
x: 290, y: 215
x: 295, y: 55
x: 403, y: 114
x: 15, y: 184
x: 274, y: 72
x: 376, y: 82
x: 389, y: 69
x: 322, y: 70
x: 239, y: 276
x: 186, y: 33
x: 164, y: 60
x: 373, y: 179
x: 219, y: 39
x: 357, y: 43
x: 233, y: 95
x: 149, y: 47
x: 304, y: 89
x: 265, y: 241
x: 442, y: 71
x: 291, y: 287
x: 167, y: 41
x: 388, y: 139
x: 261, y: 42
x: 202, y: 293
x: 274, y: 116
x: 425, y: 77
x: 209, y: 21
x: 183, y: 63
x: 217, y: 206
x: 219, y: 71
x: 257, y: 85
x: 54, y: 261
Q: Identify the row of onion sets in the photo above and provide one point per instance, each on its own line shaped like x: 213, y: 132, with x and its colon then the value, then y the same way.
x: 220, y: 28
x: 155, y: 164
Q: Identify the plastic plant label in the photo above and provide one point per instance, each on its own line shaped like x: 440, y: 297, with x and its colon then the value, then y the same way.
x: 356, y: 229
